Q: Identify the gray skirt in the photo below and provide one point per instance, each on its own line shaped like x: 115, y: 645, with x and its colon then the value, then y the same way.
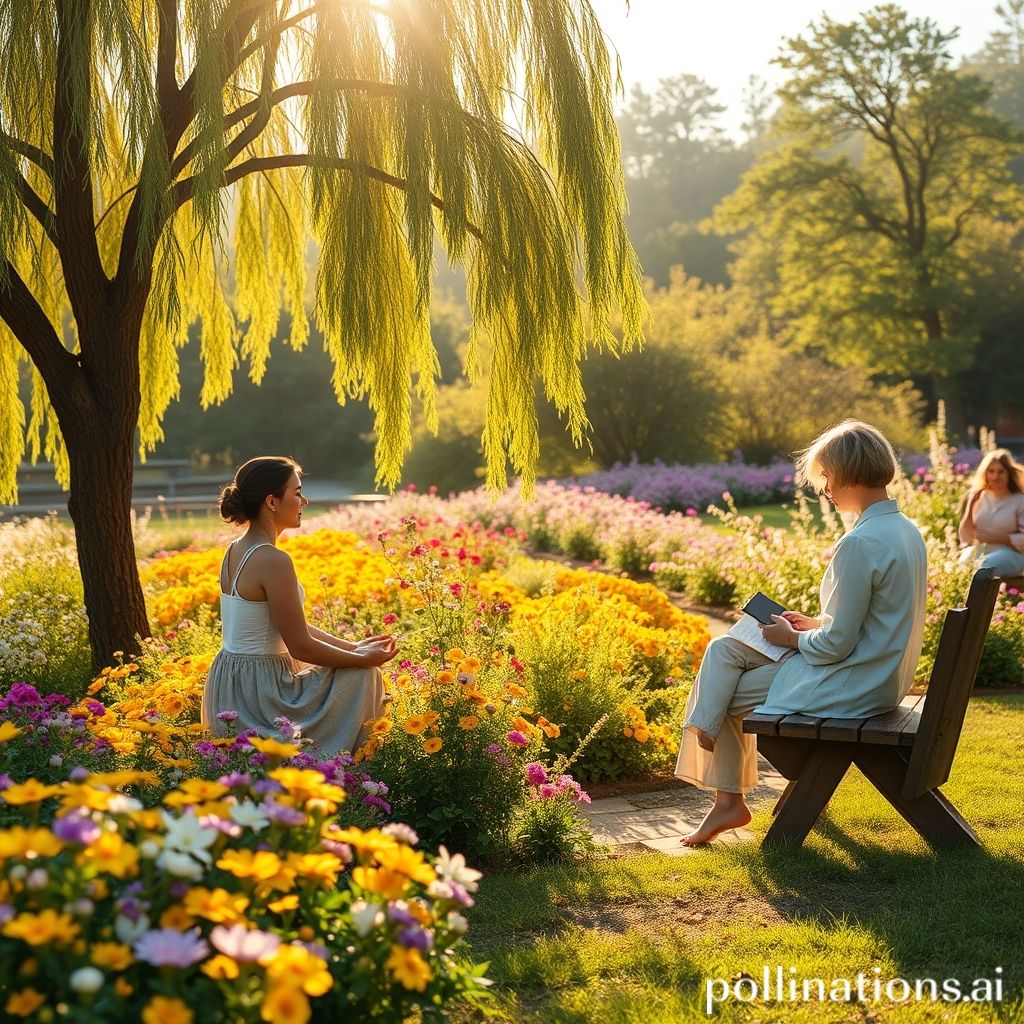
x: 332, y: 706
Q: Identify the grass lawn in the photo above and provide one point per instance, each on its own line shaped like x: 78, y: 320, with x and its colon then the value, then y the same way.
x: 636, y: 939
x: 773, y: 515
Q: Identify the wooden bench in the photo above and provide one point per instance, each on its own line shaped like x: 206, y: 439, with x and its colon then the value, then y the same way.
x: 906, y: 753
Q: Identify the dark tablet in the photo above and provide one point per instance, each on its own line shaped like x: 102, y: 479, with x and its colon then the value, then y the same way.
x: 762, y: 608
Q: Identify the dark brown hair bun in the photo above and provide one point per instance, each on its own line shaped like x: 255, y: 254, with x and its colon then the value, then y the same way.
x: 242, y: 499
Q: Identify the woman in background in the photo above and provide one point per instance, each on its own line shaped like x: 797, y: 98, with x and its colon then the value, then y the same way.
x: 272, y: 663
x: 992, y: 527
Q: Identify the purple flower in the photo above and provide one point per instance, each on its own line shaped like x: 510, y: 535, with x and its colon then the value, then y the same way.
x: 375, y: 801
x: 492, y: 748
x: 236, y: 780
x: 204, y: 748
x: 536, y: 774
x: 95, y: 707
x: 164, y: 947
x: 5, y: 780
x: 76, y: 827
x: 227, y: 716
x: 6, y: 913
x: 282, y: 814
x: 24, y: 695
x: 415, y: 937
x: 265, y: 786
x: 517, y: 739
x: 398, y: 914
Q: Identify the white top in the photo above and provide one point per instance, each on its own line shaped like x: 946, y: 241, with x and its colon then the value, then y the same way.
x: 996, y: 515
x: 861, y: 660
x: 245, y: 625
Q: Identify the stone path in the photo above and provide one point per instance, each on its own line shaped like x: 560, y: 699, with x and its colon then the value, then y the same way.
x: 658, y: 820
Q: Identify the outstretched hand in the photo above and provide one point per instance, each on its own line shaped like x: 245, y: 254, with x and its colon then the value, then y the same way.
x: 378, y: 650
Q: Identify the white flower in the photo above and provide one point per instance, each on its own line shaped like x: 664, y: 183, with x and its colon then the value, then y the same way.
x: 127, y: 930
x: 38, y: 878
x: 121, y: 803
x: 86, y: 980
x: 457, y: 923
x: 149, y: 849
x: 366, y: 917
x: 452, y: 868
x: 187, y: 835
x: 180, y: 865
x: 249, y: 815
x: 56, y: 761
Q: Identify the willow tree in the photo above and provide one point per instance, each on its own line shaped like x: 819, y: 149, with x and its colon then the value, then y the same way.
x: 164, y: 162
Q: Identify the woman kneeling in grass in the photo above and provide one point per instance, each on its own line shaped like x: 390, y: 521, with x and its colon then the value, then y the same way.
x: 272, y: 663
x: 857, y: 659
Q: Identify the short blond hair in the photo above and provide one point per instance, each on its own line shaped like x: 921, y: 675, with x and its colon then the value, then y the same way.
x: 850, y: 454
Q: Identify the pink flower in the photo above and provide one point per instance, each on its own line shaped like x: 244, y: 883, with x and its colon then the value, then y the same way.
x: 390, y: 619
x: 244, y: 944
x: 517, y: 739
x: 536, y: 774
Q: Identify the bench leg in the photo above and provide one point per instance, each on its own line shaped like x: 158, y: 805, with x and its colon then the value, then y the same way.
x: 935, y: 819
x: 783, y: 797
x: 804, y: 802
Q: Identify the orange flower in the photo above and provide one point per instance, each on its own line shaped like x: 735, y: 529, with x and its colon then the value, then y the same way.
x: 433, y: 745
x: 468, y: 722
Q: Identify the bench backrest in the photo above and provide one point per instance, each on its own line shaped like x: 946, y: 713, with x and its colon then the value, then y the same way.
x: 950, y: 684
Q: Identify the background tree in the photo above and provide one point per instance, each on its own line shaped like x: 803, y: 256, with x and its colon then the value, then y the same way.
x: 134, y: 136
x: 886, y: 157
x: 678, y: 165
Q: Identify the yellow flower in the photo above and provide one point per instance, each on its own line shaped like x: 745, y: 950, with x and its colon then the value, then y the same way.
x: 641, y: 735
x: 177, y: 918
x: 382, y: 726
x: 409, y: 968
x: 408, y: 862
x: 24, y: 1003
x: 522, y: 725
x: 260, y: 864
x: 29, y: 842
x: 445, y: 676
x: 296, y: 967
x: 470, y: 665
x: 514, y: 689
x: 324, y: 867
x: 31, y: 791
x: 216, y: 905
x: 123, y: 987
x: 303, y: 785
x: 8, y: 730
x: 273, y: 748
x: 433, y: 745
x: 111, y: 853
x: 468, y: 722
x: 455, y: 654
x: 415, y: 724
x: 195, y: 791
x: 369, y: 841
x: 43, y: 928
x: 389, y: 884
x: 123, y: 778
x: 473, y: 694
x: 220, y: 968
x: 284, y: 904
x: 285, y: 1005
x: 164, y: 1010
x: 111, y: 956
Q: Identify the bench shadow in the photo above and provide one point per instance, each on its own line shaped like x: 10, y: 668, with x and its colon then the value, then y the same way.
x: 949, y: 913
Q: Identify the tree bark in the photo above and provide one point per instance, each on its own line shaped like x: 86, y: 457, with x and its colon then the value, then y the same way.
x: 100, y: 507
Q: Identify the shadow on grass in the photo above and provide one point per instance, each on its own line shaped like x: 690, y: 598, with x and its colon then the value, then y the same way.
x: 951, y: 913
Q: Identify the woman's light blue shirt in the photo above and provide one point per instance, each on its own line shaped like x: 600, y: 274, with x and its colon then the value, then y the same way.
x: 862, y: 659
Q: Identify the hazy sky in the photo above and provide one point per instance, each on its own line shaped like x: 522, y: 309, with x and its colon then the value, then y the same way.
x: 725, y: 41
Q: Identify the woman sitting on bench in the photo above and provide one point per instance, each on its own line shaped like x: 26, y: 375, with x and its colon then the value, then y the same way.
x: 857, y: 659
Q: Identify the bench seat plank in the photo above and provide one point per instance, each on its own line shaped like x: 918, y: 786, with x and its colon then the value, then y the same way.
x: 762, y: 725
x: 886, y: 730
x: 801, y: 726
x: 843, y: 730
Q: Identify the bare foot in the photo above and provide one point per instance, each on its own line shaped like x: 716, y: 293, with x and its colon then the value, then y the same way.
x: 718, y: 819
x: 705, y: 740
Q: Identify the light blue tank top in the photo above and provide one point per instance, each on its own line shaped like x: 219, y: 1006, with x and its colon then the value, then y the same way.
x: 245, y: 625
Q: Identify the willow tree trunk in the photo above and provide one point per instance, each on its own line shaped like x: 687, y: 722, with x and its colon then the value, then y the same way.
x: 98, y: 412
